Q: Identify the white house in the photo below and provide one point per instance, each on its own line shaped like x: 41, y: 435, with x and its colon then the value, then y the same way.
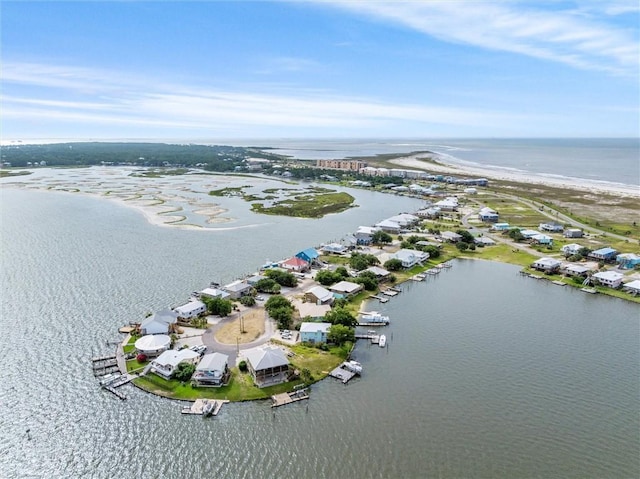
x: 364, y: 234
x: 410, y: 257
x: 165, y: 364
x: 632, y: 287
x: 448, y: 204
x: 488, y: 215
x: 404, y: 219
x: 450, y: 236
x: 571, y: 249
x: 153, y: 344
x: 389, y: 226
x: 214, y: 293
x: 542, y: 239
x: 318, y: 295
x: 238, y: 289
x: 192, y: 309
x: 548, y: 265
x: 612, y: 279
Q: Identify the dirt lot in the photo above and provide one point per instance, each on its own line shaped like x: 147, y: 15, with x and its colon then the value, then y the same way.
x: 253, y: 322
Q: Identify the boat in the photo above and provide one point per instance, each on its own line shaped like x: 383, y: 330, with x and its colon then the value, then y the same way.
x: 382, y: 342
x: 374, y: 317
x: 107, y: 379
x: 208, y: 408
x: 353, y: 366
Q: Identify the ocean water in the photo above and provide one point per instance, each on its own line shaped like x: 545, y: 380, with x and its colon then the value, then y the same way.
x: 615, y: 160
x: 487, y: 374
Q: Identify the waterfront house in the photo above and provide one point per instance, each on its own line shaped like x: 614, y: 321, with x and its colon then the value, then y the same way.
x: 612, y: 279
x: 310, y: 255
x: 628, y: 260
x: 334, y: 248
x: 192, y: 309
x: 603, y: 254
x: 212, y: 371
x: 548, y: 265
x: 267, y: 365
x: 252, y: 280
x: 159, y: 323
x: 389, y: 226
x: 314, y: 332
x: 632, y: 287
x: 153, y: 344
x: 381, y: 273
x: 405, y: 220
x: 571, y: 249
x: 488, y: 215
x: 501, y: 227
x: 410, y: 257
x: 450, y: 236
x: 165, y: 364
x: 318, y: 295
x: 214, y: 293
x: 238, y: 289
x: 346, y: 288
x: 529, y: 234
x: 349, y: 241
x: 364, y: 234
x: 551, y: 227
x: 573, y: 233
x: 295, y: 264
x: 574, y: 269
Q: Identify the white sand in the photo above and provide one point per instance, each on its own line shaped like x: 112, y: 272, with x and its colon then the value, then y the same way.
x: 414, y: 162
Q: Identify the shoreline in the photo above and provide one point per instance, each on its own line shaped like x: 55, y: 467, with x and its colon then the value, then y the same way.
x: 439, y: 163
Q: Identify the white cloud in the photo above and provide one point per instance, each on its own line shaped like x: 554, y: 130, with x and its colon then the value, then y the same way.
x: 582, y: 41
x: 110, y: 97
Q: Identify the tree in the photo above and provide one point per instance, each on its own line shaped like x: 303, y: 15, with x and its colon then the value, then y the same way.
x: 433, y: 251
x: 283, y: 316
x: 267, y: 285
x: 369, y: 283
x: 327, y: 278
x: 184, y: 371
x: 283, y: 278
x: 248, y: 300
x: 339, y: 334
x: 462, y: 246
x: 275, y: 302
x: 342, y: 271
x: 515, y: 234
x: 359, y: 261
x: 393, y: 264
x: 381, y: 237
x: 218, y: 306
x: 341, y: 316
x: 467, y: 237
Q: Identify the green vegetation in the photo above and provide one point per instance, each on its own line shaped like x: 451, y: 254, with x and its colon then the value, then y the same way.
x: 160, y: 173
x: 308, y: 206
x: 9, y: 173
x: 283, y: 278
x: 281, y: 310
x: 218, y: 306
x: 229, y: 191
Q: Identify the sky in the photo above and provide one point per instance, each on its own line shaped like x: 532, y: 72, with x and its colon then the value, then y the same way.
x: 319, y: 69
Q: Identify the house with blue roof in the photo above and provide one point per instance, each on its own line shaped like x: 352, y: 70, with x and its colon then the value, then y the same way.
x: 309, y: 255
x: 603, y: 254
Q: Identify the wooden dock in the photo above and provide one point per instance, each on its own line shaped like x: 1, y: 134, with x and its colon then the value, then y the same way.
x: 379, y: 298
x: 103, y: 365
x: 197, y: 407
x: 559, y: 283
x: 342, y: 374
x: 377, y: 323
x: 290, y: 397
x: 390, y: 292
x: 115, y: 392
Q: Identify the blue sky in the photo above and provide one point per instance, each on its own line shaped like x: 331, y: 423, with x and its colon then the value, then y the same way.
x: 320, y: 69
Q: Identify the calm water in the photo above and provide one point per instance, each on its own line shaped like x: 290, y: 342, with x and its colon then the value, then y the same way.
x: 487, y: 374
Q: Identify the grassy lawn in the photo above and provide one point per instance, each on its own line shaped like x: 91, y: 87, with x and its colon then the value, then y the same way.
x: 501, y: 252
x: 319, y: 362
x: 130, y: 346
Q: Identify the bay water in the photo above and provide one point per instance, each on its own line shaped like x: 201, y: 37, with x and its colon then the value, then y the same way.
x: 486, y: 374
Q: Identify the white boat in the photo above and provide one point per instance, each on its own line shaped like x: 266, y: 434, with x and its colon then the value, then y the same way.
x: 109, y: 378
x: 382, y: 341
x: 374, y: 317
x: 353, y: 366
x: 208, y: 408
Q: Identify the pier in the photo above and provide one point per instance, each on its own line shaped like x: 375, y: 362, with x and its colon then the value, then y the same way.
x: 390, y: 292
x: 290, y: 397
x: 379, y: 298
x: 103, y: 365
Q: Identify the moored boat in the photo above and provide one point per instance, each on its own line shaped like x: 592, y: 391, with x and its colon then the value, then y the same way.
x: 374, y: 317
x: 382, y: 342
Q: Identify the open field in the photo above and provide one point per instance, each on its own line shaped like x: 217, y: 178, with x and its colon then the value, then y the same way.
x: 252, y: 327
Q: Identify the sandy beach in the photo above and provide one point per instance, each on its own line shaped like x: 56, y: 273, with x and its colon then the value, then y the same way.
x: 442, y: 166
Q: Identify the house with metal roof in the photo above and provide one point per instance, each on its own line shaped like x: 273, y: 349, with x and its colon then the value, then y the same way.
x: 267, y: 365
x: 159, y: 323
x: 628, y: 260
x: 575, y: 269
x: 603, y: 254
x: 551, y: 227
x: 318, y: 295
x: 212, y: 371
x: 346, y: 288
x: 450, y: 236
x: 335, y: 248
x: 410, y: 257
x: 192, y: 309
x: 314, y: 332
x: 612, y: 279
x: 364, y: 234
x: 214, y: 293
x: 548, y: 265
x: 165, y: 364
x: 632, y: 287
x: 389, y: 226
x: 573, y: 233
x: 571, y: 249
x: 488, y: 215
x: 309, y: 255
x: 542, y: 239
x: 238, y: 289
x: 501, y: 227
